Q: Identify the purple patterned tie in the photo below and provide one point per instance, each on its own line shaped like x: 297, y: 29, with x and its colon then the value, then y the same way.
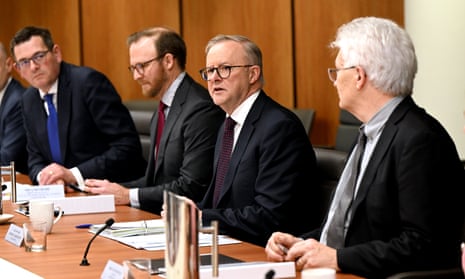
x: 225, y: 156
x: 160, y: 125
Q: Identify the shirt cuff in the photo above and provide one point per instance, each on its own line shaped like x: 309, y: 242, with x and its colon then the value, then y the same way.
x: 78, y: 176
x: 134, y: 197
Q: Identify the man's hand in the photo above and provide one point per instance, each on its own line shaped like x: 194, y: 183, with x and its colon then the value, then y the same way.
x: 311, y: 253
x: 278, y: 245
x: 97, y: 186
x: 56, y: 174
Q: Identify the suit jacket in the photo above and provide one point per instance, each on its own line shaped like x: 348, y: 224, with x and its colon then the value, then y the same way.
x: 271, y: 177
x: 185, y: 156
x: 12, y: 133
x: 409, y: 209
x: 96, y: 131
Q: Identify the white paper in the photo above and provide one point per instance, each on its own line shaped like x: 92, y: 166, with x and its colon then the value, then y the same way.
x: 10, y: 270
x: 153, y: 241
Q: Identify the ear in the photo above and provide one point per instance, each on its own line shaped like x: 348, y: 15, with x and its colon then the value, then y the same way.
x: 56, y: 51
x: 168, y: 61
x: 254, y: 73
x: 9, y: 64
x: 361, y: 77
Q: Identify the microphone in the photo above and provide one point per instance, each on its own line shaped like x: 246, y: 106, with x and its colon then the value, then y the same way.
x: 108, y: 223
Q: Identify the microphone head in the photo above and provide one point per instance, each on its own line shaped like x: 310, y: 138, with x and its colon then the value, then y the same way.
x: 109, y: 222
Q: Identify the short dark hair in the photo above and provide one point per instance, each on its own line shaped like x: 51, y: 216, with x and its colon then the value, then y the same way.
x: 165, y: 41
x: 25, y: 35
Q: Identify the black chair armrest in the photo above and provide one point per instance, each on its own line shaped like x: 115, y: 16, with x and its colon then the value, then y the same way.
x: 452, y: 273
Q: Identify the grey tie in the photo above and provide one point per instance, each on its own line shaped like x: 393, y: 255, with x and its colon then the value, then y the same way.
x: 336, y: 229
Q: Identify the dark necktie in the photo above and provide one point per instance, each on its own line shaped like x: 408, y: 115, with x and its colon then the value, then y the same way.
x: 225, y: 156
x: 52, y: 129
x: 160, y: 124
x: 337, y: 227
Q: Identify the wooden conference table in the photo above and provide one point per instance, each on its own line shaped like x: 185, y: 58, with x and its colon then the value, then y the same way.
x: 66, y: 245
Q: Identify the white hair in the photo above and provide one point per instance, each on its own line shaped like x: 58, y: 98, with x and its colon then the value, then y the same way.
x: 383, y: 49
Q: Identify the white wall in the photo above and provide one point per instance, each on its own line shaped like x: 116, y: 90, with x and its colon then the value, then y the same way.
x: 437, y: 29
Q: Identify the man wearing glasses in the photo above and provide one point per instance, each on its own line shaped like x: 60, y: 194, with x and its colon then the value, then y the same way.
x: 398, y: 206
x: 183, y: 130
x: 264, y: 168
x: 76, y: 124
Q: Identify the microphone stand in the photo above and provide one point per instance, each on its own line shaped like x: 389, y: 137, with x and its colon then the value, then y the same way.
x: 108, y: 223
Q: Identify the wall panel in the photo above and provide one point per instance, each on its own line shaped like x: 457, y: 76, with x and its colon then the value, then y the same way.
x: 105, y: 26
x: 267, y: 22
x: 315, y: 24
x: 293, y: 35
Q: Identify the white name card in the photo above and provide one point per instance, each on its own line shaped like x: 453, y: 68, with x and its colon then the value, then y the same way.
x: 85, y: 204
x: 14, y: 235
x: 112, y: 270
x: 28, y: 192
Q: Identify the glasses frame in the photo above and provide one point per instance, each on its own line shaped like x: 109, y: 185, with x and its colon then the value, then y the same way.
x: 37, y: 58
x: 331, y: 71
x: 207, y: 72
x: 140, y: 67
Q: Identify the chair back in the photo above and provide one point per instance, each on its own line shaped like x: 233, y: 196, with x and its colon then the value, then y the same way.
x: 330, y: 164
x: 142, y: 112
x: 347, y: 131
x: 306, y: 116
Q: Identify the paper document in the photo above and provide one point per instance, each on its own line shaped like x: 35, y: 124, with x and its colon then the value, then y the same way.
x: 11, y: 270
x: 150, y: 235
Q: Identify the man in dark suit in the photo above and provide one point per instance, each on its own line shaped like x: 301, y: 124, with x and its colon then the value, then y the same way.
x: 12, y: 134
x: 270, y: 175
x: 181, y: 162
x: 94, y: 132
x: 406, y: 208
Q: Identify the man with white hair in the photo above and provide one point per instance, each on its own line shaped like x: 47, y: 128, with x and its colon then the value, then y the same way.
x: 404, y: 208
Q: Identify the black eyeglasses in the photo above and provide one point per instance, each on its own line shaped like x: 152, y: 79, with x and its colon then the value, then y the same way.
x: 140, y: 67
x: 38, y: 58
x: 332, y: 72
x: 223, y: 71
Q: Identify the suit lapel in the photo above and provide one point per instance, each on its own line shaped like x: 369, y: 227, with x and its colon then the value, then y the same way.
x: 64, y: 110
x: 174, y: 112
x: 379, y: 153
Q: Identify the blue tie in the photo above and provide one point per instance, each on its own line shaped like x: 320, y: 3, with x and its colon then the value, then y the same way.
x: 52, y: 129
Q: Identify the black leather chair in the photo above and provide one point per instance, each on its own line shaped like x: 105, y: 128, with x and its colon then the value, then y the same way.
x: 330, y: 164
x: 142, y: 112
x: 347, y: 131
x: 455, y: 273
x: 306, y: 116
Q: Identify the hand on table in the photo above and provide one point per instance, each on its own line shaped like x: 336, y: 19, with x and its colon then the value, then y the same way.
x: 99, y: 186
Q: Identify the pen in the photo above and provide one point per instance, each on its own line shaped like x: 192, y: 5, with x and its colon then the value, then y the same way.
x: 283, y: 248
x: 83, y: 226
x: 76, y: 188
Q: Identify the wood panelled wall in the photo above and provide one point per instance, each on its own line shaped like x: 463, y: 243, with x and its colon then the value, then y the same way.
x: 293, y: 36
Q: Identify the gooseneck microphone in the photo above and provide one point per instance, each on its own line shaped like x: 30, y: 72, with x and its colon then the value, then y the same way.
x: 108, y: 223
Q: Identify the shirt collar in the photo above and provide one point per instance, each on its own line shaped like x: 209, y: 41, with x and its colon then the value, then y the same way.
x: 168, y: 97
x: 376, y: 124
x: 53, y: 90
x: 240, y: 113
